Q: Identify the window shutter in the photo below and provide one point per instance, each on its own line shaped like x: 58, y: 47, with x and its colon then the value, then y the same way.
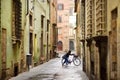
x: 16, y: 20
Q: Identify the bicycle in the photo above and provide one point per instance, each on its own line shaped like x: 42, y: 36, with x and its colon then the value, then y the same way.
x: 76, y: 61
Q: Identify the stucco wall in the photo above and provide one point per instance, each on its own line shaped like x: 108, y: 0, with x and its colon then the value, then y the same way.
x: 6, y: 23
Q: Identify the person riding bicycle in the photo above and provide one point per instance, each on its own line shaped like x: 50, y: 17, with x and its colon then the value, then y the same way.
x: 66, y: 57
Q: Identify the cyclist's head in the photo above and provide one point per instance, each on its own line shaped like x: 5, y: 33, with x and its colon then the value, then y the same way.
x: 69, y: 51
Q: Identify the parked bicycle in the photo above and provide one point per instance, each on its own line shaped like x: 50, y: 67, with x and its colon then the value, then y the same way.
x: 75, y: 60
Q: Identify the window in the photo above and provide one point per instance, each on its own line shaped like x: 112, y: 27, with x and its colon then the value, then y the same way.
x: 30, y: 19
x: 60, y: 6
x: 48, y: 22
x: 16, y: 20
x: 59, y: 31
x: 71, y: 11
x: 59, y: 19
x: 114, y: 13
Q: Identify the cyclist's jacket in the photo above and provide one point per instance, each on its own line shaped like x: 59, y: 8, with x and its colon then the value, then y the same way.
x: 66, y: 55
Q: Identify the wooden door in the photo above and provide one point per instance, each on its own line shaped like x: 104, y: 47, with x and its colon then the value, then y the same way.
x: 4, y: 53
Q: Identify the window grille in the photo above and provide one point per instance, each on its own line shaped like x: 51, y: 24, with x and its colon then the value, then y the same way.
x: 16, y: 20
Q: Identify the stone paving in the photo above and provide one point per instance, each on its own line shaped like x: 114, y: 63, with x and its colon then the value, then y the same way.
x: 52, y: 70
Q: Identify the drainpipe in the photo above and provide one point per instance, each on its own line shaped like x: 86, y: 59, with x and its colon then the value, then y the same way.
x: 51, y: 48
x: 0, y: 40
x: 27, y: 7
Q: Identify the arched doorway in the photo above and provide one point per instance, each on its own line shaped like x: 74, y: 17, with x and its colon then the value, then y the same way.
x: 59, y: 45
x: 71, y: 45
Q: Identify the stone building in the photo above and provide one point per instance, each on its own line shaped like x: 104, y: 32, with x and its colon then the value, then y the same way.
x: 53, y: 28
x: 24, y: 30
x: 66, y: 39
x: 97, y: 39
x: 77, y: 28
x: 39, y: 33
x: 113, y: 24
x: 80, y: 29
x: 12, y: 57
x: 100, y: 42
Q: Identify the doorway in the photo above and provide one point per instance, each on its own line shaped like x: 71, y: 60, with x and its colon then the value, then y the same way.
x: 16, y: 70
x: 71, y: 45
x: 31, y: 43
x: 103, y: 60
x: 59, y: 45
x: 4, y: 42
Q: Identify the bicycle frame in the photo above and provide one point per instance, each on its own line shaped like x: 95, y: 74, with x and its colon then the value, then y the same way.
x: 76, y: 60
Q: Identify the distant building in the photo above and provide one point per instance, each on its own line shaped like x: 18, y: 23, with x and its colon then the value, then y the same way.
x: 66, y: 34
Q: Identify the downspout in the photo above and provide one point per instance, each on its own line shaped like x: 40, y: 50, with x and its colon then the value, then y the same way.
x: 0, y: 41
x: 56, y: 24
x: 48, y: 33
x: 27, y: 7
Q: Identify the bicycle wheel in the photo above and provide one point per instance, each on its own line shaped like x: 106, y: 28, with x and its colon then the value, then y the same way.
x: 76, y: 61
x: 62, y: 61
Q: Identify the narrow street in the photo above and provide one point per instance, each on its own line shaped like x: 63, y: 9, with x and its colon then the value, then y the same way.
x: 33, y: 32
x: 52, y: 70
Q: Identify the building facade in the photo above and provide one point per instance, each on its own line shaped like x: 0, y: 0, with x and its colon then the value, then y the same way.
x: 96, y: 39
x: 12, y: 40
x: 24, y: 31
x: 53, y: 28
x: 113, y: 20
x: 66, y: 38
x: 78, y: 28
x: 41, y: 22
x: 100, y: 42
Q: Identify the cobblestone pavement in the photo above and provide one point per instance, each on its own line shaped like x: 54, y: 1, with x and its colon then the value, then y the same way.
x: 52, y: 70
